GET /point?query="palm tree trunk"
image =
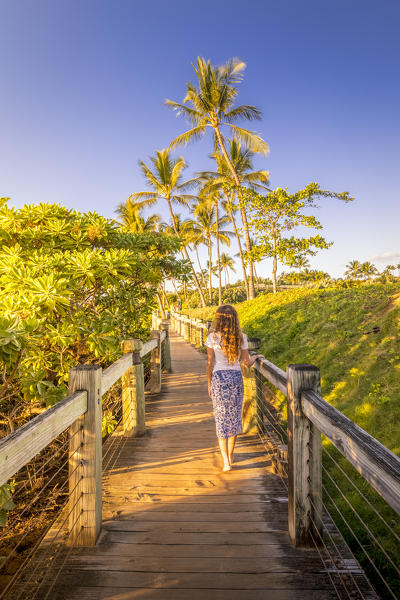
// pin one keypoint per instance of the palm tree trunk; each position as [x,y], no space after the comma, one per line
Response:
[174,286]
[218,254]
[160,306]
[210,270]
[200,269]
[275,263]
[251,290]
[184,250]
[231,215]
[257,280]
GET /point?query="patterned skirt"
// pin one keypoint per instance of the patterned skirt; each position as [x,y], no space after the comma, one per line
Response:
[227,398]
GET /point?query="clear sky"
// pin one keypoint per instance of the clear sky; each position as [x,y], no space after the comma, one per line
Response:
[83,84]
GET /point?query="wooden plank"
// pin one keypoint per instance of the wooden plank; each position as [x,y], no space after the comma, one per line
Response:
[376,463]
[196,538]
[175,515]
[278,550]
[18,448]
[213,581]
[128,525]
[272,373]
[115,371]
[184,564]
[109,593]
[148,347]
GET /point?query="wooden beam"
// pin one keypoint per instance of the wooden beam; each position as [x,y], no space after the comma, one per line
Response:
[85,459]
[115,371]
[273,374]
[155,383]
[18,448]
[304,460]
[148,347]
[166,346]
[376,463]
[133,399]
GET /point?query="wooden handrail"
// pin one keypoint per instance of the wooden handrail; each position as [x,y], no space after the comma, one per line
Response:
[19,447]
[376,463]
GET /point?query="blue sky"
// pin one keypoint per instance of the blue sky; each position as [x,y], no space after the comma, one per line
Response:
[83,84]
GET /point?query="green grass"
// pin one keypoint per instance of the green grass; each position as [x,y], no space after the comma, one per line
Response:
[352,335]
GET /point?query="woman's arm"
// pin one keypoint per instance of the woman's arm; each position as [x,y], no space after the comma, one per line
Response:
[248,360]
[210,366]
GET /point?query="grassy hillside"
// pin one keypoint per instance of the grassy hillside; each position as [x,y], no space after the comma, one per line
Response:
[352,335]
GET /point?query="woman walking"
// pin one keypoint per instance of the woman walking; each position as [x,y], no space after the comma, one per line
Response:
[226,345]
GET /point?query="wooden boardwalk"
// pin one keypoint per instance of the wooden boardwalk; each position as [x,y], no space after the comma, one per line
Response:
[175,527]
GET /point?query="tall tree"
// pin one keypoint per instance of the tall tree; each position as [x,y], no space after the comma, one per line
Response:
[166,181]
[353,269]
[212,105]
[131,217]
[206,218]
[242,161]
[368,270]
[227,262]
[279,212]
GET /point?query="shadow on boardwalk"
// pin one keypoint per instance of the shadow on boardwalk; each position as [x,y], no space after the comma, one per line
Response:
[176,527]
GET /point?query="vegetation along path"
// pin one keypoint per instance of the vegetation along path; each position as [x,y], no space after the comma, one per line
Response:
[175,526]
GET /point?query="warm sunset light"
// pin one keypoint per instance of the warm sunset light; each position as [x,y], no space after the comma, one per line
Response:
[199,300]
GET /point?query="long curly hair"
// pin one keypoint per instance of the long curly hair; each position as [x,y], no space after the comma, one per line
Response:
[226,323]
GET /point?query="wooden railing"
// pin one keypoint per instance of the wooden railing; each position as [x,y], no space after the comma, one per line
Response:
[81,412]
[309,416]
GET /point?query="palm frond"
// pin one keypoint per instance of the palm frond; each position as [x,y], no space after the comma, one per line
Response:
[176,172]
[149,175]
[189,136]
[245,111]
[182,110]
[149,198]
[253,141]
[256,177]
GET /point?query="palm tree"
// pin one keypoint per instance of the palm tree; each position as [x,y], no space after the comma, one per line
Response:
[165,179]
[227,262]
[213,106]
[206,218]
[353,269]
[300,263]
[191,234]
[241,159]
[368,270]
[131,217]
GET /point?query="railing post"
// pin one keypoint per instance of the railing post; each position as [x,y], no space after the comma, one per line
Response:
[197,336]
[304,459]
[133,403]
[250,416]
[180,325]
[186,329]
[85,459]
[155,360]
[164,326]
[193,330]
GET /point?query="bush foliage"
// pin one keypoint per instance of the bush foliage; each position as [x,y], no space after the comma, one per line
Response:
[72,285]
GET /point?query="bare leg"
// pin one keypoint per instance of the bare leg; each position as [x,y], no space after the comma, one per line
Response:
[231,447]
[223,446]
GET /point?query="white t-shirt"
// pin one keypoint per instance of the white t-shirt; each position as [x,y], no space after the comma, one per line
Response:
[221,362]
